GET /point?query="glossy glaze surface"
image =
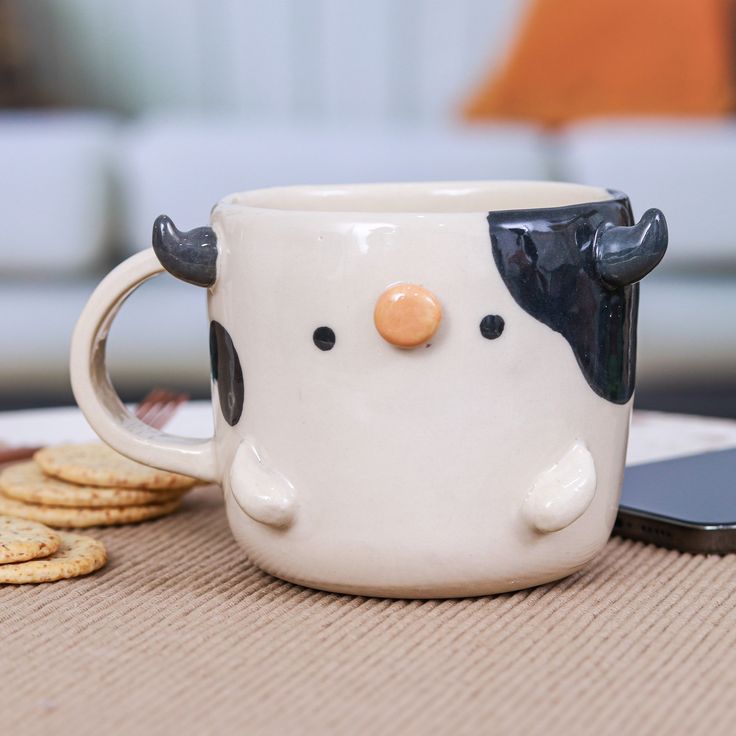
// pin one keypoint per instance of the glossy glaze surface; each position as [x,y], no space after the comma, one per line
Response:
[227,373]
[190,256]
[407,315]
[574,269]
[484,464]
[624,255]
[324,338]
[491,326]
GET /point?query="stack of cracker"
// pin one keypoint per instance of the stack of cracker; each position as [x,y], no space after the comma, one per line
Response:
[32,553]
[76,486]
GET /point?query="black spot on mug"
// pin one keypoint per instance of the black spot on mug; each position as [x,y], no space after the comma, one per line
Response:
[227,373]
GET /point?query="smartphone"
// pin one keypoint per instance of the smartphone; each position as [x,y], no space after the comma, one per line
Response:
[687,503]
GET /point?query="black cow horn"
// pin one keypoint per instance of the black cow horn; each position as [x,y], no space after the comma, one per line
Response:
[190,256]
[625,255]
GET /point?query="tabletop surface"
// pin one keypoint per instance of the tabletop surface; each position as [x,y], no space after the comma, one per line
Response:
[180,633]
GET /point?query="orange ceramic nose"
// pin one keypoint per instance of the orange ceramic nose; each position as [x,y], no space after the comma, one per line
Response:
[407,315]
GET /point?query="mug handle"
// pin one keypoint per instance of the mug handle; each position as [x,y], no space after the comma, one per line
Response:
[99,401]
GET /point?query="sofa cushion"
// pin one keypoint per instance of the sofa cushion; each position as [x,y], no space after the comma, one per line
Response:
[54,192]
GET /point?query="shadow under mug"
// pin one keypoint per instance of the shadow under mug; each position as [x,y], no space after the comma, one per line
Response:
[419,390]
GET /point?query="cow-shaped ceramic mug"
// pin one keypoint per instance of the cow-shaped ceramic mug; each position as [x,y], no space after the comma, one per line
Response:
[419,390]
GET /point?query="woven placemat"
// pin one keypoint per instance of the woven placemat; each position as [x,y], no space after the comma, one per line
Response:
[181,634]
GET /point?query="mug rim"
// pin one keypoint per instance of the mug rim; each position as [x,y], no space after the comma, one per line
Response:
[446,198]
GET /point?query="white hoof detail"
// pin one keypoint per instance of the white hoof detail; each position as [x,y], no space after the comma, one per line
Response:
[562,493]
[262,492]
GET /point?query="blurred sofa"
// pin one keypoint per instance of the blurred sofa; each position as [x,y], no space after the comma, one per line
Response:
[81,192]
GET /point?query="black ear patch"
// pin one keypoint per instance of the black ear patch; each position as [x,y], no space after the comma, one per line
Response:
[227,373]
[545,258]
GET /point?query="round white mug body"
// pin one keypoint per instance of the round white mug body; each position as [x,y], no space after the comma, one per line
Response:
[485,456]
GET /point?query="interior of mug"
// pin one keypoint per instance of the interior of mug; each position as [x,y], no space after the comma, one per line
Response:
[423,197]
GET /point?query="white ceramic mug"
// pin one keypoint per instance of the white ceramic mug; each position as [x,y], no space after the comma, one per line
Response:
[419,389]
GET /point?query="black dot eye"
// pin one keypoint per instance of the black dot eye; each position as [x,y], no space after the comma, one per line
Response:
[324,338]
[491,326]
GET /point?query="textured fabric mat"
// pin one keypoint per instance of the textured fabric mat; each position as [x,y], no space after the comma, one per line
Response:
[181,634]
